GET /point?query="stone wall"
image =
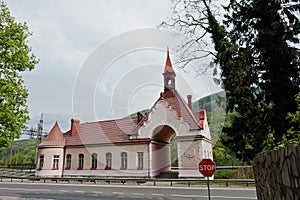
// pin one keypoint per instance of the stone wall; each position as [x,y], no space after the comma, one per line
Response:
[277,174]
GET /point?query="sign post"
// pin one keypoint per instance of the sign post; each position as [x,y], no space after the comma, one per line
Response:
[207,168]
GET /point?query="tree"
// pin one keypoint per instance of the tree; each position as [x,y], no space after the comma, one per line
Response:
[15,57]
[271,29]
[256,52]
[293,134]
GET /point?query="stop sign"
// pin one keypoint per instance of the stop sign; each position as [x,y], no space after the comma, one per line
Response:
[207,167]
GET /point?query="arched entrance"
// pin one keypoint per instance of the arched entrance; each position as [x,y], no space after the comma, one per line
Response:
[161,149]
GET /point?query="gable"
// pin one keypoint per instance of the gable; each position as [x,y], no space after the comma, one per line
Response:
[162,115]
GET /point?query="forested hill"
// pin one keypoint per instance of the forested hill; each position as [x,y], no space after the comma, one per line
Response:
[23,152]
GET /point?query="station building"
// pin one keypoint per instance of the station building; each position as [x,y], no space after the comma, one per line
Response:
[131,147]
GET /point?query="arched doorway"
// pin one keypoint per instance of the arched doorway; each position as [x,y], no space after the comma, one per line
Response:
[161,147]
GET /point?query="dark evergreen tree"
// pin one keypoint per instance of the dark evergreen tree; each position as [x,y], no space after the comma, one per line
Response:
[256,51]
[271,30]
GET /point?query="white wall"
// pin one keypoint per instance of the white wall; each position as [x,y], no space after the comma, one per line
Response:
[115,150]
[47,169]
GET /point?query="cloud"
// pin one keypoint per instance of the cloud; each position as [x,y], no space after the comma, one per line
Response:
[66,32]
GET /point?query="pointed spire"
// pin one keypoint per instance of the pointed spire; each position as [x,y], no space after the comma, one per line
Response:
[54,138]
[169,74]
[168,66]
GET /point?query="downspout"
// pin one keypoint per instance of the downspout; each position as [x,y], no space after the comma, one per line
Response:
[149,158]
[63,166]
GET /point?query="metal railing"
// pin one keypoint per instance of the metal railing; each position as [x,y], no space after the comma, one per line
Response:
[138,181]
[18,166]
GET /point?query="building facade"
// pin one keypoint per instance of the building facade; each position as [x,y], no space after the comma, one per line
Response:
[131,147]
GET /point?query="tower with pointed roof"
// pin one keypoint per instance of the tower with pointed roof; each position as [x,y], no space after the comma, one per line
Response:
[169,74]
[51,150]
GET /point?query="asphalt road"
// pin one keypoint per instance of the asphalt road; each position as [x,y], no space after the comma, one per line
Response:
[34,191]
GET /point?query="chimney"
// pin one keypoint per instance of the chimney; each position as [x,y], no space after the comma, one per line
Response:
[189,97]
[139,117]
[202,117]
[74,126]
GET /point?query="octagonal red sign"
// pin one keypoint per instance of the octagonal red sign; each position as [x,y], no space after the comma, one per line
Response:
[207,167]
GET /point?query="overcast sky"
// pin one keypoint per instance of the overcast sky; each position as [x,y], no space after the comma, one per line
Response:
[70,36]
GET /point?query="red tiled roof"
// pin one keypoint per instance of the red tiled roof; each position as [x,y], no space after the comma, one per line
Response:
[119,130]
[103,132]
[54,138]
[177,103]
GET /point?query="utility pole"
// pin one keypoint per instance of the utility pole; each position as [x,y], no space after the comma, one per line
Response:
[38,133]
[38,138]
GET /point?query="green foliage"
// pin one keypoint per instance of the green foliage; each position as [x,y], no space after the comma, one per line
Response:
[23,152]
[241,173]
[174,151]
[223,174]
[15,57]
[294,131]
[293,134]
[269,143]
[223,155]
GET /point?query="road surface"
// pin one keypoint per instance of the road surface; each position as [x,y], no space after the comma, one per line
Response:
[35,191]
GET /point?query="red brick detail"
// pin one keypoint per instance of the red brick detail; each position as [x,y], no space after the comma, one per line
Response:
[202,118]
[189,98]
[74,126]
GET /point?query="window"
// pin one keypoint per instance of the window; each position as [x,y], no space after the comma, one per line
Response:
[169,82]
[41,162]
[55,162]
[140,157]
[94,161]
[80,161]
[68,163]
[123,160]
[108,161]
